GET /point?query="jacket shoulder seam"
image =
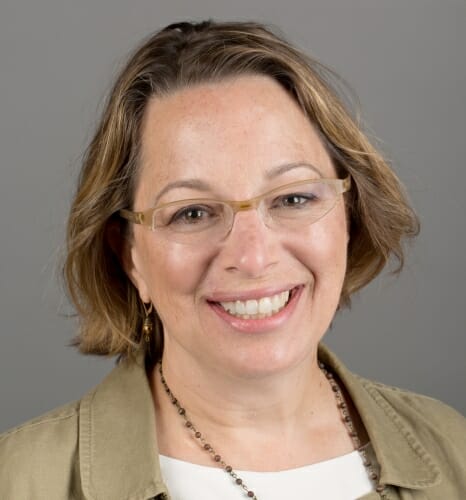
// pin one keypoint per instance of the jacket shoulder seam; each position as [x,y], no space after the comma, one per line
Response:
[38,422]
[391,388]
[413,395]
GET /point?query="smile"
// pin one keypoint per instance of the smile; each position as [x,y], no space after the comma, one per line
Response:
[257,308]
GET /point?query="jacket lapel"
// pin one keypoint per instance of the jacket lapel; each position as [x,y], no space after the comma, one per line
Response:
[118,449]
[403,460]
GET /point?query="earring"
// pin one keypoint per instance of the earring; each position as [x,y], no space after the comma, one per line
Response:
[148,325]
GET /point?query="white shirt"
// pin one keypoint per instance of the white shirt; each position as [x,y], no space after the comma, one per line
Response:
[340,478]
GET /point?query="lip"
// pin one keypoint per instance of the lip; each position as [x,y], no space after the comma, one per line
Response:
[249,295]
[258,325]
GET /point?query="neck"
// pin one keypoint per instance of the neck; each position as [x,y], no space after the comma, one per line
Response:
[230,399]
[281,413]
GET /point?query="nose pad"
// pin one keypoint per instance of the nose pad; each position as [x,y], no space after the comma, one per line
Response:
[250,246]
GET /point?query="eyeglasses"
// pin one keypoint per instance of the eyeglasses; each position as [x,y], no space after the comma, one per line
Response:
[289,207]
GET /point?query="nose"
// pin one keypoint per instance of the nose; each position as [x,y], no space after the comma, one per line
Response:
[250,248]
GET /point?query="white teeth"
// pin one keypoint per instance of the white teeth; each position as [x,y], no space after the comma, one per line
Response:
[265,305]
[276,302]
[239,307]
[256,309]
[251,307]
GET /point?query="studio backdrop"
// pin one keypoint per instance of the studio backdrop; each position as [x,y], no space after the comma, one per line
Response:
[404,59]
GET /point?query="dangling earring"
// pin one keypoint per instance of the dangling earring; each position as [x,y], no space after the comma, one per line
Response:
[148,325]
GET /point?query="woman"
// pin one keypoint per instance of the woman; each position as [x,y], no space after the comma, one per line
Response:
[227,207]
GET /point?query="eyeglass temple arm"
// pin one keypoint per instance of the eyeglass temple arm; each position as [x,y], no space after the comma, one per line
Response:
[136,217]
[346,184]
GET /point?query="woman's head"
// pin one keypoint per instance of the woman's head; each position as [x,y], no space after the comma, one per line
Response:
[255,295]
[183,57]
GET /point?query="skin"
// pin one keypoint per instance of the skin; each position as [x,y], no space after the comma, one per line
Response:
[260,390]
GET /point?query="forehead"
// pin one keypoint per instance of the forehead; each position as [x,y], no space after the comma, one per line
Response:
[228,131]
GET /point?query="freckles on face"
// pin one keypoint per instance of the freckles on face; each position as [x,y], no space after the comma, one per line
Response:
[224,141]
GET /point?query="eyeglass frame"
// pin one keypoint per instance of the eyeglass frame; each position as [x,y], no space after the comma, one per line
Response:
[145,217]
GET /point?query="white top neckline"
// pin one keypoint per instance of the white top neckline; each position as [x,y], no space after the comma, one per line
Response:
[339,478]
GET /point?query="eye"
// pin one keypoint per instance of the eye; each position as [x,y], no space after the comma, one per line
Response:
[192,214]
[186,216]
[295,200]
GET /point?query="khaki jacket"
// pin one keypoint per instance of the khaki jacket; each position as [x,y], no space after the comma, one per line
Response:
[103,447]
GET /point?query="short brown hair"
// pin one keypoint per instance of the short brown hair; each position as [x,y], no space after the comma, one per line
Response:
[178,56]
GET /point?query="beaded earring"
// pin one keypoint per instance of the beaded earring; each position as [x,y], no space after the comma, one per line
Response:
[148,324]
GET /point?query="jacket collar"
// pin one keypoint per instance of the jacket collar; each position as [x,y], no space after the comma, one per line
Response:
[117,437]
[403,460]
[118,442]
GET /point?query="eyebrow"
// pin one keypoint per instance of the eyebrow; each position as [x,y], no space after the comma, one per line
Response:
[281,169]
[184,183]
[201,185]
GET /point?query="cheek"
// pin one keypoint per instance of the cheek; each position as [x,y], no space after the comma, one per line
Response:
[175,275]
[323,250]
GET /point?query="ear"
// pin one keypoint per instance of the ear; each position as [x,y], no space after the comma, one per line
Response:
[129,257]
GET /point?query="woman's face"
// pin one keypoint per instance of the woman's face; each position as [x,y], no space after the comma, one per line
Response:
[235,140]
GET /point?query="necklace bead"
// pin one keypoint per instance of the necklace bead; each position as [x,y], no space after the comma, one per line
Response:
[345,417]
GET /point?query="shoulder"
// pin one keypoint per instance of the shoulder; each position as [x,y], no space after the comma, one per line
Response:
[41,451]
[381,403]
[409,405]
[55,429]
[439,427]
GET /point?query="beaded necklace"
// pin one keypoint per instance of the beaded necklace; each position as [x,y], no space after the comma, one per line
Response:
[218,459]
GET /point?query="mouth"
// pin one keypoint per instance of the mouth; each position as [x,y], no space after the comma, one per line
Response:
[260,308]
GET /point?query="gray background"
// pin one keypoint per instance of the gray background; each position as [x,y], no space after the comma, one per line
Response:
[406,61]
